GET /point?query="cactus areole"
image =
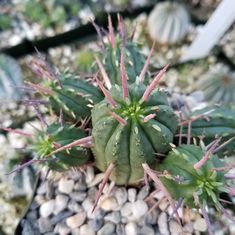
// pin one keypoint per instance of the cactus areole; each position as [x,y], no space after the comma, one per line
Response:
[131,131]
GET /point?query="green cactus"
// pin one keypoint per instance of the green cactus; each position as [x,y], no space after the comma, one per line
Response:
[129,131]
[74,96]
[55,137]
[203,183]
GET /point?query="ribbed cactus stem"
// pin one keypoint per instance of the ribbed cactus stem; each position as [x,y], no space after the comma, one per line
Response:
[103,183]
[111,32]
[146,65]
[104,74]
[149,117]
[84,142]
[118,118]
[106,93]
[207,155]
[154,83]
[123,75]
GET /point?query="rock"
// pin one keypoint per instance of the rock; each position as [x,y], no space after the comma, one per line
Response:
[65,186]
[74,175]
[80,185]
[143,193]
[139,208]
[47,208]
[62,229]
[200,225]
[175,228]
[96,224]
[98,178]
[29,228]
[86,230]
[60,217]
[107,229]
[44,225]
[162,224]
[109,204]
[131,194]
[121,195]
[131,228]
[126,210]
[74,206]
[34,205]
[151,218]
[75,231]
[146,230]
[40,199]
[163,204]
[77,220]
[49,190]
[89,174]
[42,189]
[32,215]
[87,204]
[92,192]
[114,217]
[78,196]
[120,229]
[61,202]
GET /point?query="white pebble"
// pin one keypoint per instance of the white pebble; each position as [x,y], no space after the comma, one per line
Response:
[131,194]
[47,208]
[109,204]
[77,220]
[131,229]
[66,186]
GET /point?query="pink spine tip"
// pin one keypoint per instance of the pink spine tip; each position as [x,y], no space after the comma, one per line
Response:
[121,28]
[111,32]
[147,62]
[104,74]
[19,132]
[149,117]
[106,93]
[154,83]
[123,75]
[121,120]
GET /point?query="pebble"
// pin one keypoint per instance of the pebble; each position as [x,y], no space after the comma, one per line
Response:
[200,225]
[131,229]
[151,218]
[62,229]
[29,228]
[89,174]
[143,193]
[78,196]
[60,217]
[126,210]
[96,224]
[42,189]
[47,208]
[92,192]
[65,186]
[162,224]
[163,205]
[44,225]
[61,202]
[98,178]
[109,204]
[120,229]
[131,194]
[86,230]
[74,206]
[146,230]
[175,228]
[139,208]
[76,220]
[107,229]
[40,199]
[114,217]
[80,185]
[121,195]
[32,215]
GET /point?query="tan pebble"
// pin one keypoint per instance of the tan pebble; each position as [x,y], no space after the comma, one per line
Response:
[76,220]
[109,204]
[200,225]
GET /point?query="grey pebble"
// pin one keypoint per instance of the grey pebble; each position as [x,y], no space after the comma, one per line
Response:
[92,192]
[96,224]
[66,186]
[44,225]
[74,175]
[121,195]
[78,196]
[131,194]
[151,218]
[120,229]
[162,224]
[107,229]
[29,228]
[146,230]
[49,190]
[80,185]
[32,215]
[114,217]
[74,206]
[42,189]
[143,193]
[62,229]
[60,217]
[126,209]
[61,202]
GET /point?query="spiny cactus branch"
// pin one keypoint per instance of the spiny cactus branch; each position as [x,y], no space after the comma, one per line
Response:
[39,88]
[146,65]
[103,183]
[104,74]
[206,157]
[224,144]
[19,132]
[121,29]
[84,142]
[123,75]
[154,83]
[189,132]
[118,118]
